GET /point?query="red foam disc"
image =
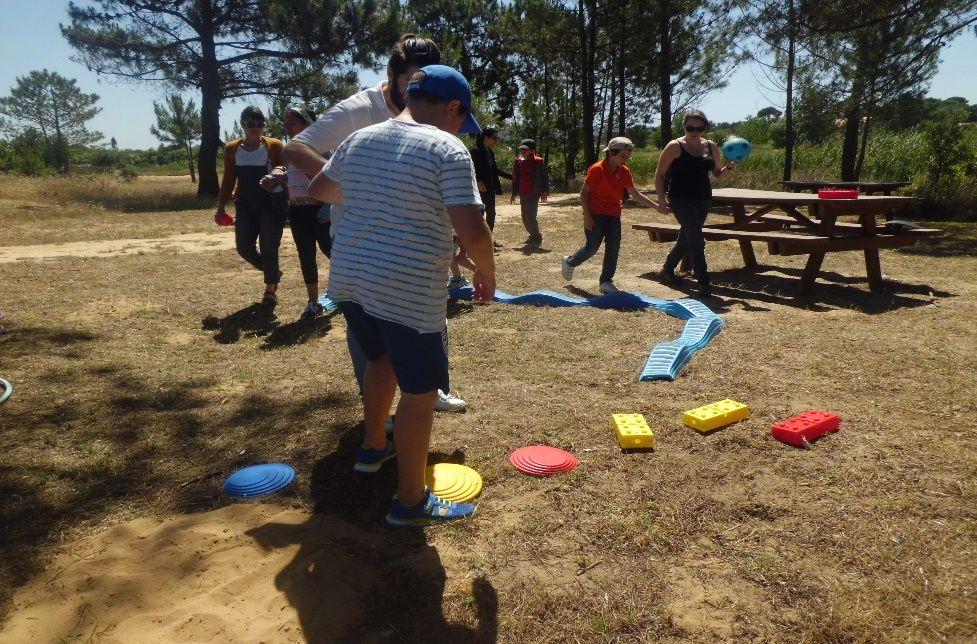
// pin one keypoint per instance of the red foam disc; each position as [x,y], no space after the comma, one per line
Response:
[542,460]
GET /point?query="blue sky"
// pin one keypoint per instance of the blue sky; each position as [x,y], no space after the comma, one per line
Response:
[30,39]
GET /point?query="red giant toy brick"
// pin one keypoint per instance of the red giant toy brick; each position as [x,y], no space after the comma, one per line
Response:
[806,428]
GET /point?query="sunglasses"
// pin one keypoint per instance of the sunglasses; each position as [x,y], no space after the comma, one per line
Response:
[622,150]
[254,124]
[693,128]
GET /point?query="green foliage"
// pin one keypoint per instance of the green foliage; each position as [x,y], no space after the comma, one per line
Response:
[755,129]
[178,124]
[950,161]
[177,121]
[52,105]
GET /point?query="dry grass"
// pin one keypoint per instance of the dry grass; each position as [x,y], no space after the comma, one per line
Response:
[139,376]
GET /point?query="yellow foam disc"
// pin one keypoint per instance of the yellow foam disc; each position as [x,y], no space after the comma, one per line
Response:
[453,482]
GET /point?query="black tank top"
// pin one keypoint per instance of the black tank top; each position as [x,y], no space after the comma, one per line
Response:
[688,177]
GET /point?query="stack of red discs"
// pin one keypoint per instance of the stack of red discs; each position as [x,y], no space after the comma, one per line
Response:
[542,460]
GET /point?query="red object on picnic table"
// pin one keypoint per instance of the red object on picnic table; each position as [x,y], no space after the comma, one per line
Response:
[225,219]
[806,428]
[837,193]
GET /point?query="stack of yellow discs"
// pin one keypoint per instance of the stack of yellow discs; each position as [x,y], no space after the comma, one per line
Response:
[453,482]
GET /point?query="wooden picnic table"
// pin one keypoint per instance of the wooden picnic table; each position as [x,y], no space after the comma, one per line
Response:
[865,187]
[815,233]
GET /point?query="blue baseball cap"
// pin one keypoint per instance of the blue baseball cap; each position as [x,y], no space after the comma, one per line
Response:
[448,83]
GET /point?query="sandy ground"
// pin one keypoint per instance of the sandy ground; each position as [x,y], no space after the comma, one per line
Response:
[224,575]
[187,243]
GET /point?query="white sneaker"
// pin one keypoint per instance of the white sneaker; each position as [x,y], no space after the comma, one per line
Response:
[447,402]
[566,270]
[608,287]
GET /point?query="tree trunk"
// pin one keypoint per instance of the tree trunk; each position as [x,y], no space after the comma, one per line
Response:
[193,176]
[569,162]
[849,145]
[620,94]
[588,40]
[210,106]
[864,143]
[665,71]
[789,107]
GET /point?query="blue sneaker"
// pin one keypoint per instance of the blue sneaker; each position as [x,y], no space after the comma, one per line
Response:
[433,509]
[370,460]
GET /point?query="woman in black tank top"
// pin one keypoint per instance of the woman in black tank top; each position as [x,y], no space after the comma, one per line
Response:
[684,188]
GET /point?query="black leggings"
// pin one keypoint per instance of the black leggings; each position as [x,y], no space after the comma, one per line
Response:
[488,198]
[258,234]
[307,231]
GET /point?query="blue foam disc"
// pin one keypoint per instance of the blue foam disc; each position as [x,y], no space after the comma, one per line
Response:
[258,480]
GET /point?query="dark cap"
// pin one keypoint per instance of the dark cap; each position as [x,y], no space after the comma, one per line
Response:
[527,144]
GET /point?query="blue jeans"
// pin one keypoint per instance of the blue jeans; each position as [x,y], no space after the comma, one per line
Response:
[691,215]
[606,229]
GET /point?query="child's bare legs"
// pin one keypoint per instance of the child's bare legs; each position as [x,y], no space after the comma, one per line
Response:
[379,387]
[412,438]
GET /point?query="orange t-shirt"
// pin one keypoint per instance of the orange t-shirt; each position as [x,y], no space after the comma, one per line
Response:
[606,188]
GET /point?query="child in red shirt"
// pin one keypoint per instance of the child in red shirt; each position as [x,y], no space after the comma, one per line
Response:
[601,201]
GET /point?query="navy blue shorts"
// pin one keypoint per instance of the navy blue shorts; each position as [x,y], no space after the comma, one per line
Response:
[420,360]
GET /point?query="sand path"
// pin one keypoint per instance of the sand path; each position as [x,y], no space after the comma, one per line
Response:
[185,243]
[235,574]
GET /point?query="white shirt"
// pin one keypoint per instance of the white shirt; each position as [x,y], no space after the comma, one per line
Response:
[393,244]
[345,117]
[360,110]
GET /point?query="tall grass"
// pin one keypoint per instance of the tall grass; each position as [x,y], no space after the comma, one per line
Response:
[109,191]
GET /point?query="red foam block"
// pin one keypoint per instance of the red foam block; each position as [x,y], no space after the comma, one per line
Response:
[806,427]
[837,194]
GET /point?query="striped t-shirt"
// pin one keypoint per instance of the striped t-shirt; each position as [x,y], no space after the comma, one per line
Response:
[392,247]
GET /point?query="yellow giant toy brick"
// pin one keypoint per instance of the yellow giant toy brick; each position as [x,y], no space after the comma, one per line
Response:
[632,431]
[718,414]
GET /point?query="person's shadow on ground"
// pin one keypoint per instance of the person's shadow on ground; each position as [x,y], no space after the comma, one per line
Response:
[353,578]
[258,320]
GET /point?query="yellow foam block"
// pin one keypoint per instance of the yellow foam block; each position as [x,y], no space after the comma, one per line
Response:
[632,431]
[717,414]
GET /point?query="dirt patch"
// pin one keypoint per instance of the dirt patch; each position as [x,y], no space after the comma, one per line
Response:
[186,243]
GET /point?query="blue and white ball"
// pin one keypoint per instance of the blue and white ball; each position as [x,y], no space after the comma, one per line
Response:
[736,149]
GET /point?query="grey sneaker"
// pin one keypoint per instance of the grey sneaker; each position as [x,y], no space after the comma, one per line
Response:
[447,402]
[608,287]
[566,270]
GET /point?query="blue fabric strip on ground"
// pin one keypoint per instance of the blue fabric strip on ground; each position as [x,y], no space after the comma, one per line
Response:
[667,358]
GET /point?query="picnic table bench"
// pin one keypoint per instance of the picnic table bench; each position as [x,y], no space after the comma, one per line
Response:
[794,233]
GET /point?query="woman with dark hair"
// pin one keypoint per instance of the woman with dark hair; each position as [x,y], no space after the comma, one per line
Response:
[260,211]
[308,227]
[684,189]
[487,172]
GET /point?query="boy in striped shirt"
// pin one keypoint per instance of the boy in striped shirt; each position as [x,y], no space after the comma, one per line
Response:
[404,185]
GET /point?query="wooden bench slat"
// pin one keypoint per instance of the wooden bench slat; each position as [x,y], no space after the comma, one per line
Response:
[727,233]
[847,225]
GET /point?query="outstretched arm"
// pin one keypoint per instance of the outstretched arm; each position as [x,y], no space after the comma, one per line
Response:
[640,198]
[474,236]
